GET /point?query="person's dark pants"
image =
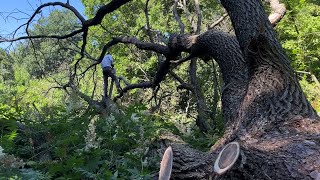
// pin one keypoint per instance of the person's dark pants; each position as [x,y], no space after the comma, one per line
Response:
[108,72]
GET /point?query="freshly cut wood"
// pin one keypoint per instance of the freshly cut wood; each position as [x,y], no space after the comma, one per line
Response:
[226,158]
[166,164]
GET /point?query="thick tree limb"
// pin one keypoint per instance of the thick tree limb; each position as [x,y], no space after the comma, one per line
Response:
[132,40]
[259,23]
[141,45]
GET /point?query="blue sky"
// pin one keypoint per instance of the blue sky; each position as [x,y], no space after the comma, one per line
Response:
[13,13]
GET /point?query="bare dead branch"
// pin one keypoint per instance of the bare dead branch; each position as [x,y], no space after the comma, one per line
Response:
[147,21]
[177,17]
[15,31]
[198,12]
[102,11]
[176,77]
[218,21]
[189,15]
[183,84]
[161,73]
[67,6]
[54,87]
[124,80]
[143,85]
[84,41]
[89,67]
[158,104]
[159,77]
[87,55]
[94,74]
[186,86]
[155,91]
[180,61]
[108,8]
[42,36]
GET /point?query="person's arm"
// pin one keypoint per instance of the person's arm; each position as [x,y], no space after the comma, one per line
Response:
[111,60]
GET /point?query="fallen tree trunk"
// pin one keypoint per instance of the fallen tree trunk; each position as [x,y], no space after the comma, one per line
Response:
[272,157]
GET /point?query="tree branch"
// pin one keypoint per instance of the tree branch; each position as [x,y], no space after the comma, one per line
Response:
[143,85]
[147,21]
[198,12]
[42,36]
[218,21]
[95,104]
[177,17]
[102,11]
[67,6]
[97,19]
[141,45]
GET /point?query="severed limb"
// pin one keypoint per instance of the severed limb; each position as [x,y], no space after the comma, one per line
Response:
[166,164]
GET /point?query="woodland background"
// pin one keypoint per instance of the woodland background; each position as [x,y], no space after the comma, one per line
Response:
[49,130]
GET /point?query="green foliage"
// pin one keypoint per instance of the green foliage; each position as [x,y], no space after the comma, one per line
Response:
[43,57]
[21,174]
[299,34]
[12,168]
[8,124]
[312,91]
[96,147]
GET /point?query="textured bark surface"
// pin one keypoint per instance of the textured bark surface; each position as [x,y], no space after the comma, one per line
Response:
[263,103]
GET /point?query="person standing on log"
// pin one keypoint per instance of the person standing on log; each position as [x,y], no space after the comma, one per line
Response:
[109,71]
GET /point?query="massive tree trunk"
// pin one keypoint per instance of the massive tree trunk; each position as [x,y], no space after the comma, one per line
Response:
[263,104]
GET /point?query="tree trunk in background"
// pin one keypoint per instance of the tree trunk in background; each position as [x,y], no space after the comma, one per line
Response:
[202,108]
[265,108]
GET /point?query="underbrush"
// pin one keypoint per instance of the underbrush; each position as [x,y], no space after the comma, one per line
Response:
[83,145]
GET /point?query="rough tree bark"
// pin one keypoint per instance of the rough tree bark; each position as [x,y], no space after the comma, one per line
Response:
[265,108]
